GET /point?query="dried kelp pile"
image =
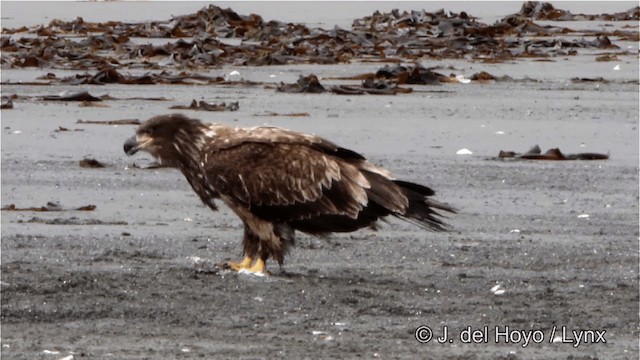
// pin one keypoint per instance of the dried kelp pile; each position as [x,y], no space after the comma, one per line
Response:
[385,81]
[107,74]
[7,103]
[535,153]
[214,36]
[545,11]
[417,74]
[50,206]
[371,85]
[206,106]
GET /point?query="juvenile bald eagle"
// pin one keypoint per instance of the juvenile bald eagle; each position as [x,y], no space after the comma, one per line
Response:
[279,181]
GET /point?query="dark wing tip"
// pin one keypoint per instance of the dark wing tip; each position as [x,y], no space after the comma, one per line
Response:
[348,154]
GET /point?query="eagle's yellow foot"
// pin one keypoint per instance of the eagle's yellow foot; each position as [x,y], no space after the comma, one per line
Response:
[237,266]
[259,268]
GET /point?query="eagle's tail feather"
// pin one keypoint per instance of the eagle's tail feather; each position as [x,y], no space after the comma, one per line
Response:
[405,200]
[422,209]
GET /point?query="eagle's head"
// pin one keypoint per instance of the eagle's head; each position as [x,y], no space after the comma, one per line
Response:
[168,138]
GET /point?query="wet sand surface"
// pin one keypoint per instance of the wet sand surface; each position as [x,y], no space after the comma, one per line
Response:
[537,246]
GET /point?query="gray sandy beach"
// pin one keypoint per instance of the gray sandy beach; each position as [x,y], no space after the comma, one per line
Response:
[547,249]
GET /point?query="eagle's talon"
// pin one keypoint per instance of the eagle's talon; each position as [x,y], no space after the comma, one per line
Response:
[238,266]
[259,268]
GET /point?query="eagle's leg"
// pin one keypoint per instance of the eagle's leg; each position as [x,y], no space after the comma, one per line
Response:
[251,247]
[244,264]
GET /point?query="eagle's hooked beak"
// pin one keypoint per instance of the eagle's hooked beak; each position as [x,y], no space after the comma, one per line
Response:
[131,146]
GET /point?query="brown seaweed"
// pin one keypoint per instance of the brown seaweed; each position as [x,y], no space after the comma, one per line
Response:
[305,84]
[75,96]
[390,37]
[108,75]
[111,122]
[71,221]
[63,129]
[554,154]
[271,113]
[50,206]
[311,84]
[8,104]
[91,163]
[545,11]
[371,86]
[205,106]
[416,74]
[92,104]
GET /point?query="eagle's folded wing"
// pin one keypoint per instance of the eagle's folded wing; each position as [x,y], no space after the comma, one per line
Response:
[286,181]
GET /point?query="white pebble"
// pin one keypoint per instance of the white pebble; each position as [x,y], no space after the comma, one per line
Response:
[461,79]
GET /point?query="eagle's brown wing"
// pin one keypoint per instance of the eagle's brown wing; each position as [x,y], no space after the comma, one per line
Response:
[309,182]
[285,182]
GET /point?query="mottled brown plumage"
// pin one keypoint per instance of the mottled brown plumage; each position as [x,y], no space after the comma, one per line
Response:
[279,181]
